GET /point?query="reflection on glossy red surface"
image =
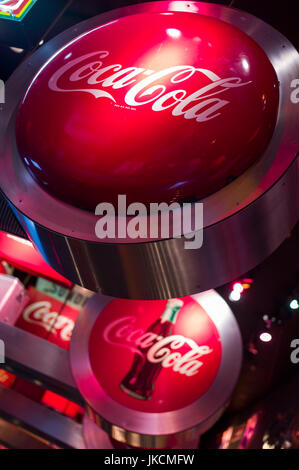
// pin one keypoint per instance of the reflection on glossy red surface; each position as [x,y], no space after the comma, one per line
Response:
[160,107]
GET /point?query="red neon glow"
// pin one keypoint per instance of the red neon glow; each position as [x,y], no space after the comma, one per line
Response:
[6,378]
[61,404]
[21,254]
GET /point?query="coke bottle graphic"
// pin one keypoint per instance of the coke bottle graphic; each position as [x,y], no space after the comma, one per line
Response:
[140,380]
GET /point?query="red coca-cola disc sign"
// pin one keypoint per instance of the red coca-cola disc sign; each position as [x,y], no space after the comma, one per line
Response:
[155,356]
[156,368]
[157,106]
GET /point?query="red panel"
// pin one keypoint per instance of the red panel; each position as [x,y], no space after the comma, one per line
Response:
[48,318]
[40,314]
[6,378]
[21,254]
[61,404]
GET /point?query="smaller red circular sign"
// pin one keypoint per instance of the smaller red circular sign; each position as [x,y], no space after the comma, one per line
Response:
[155,356]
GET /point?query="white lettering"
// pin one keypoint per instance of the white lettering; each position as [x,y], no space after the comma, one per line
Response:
[148,90]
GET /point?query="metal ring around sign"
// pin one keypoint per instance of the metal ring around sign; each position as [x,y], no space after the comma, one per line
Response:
[243,222]
[157,429]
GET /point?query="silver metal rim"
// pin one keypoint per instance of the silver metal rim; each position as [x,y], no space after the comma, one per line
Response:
[125,423]
[243,223]
[32,201]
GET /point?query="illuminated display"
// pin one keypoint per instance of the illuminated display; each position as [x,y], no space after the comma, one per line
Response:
[152,118]
[156,347]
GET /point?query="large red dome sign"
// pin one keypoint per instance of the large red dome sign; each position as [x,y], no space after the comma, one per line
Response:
[158,102]
[157,106]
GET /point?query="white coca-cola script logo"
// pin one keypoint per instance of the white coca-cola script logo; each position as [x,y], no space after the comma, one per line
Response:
[95,77]
[39,313]
[121,333]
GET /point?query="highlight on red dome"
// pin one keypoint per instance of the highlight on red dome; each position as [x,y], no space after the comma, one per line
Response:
[149,225]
